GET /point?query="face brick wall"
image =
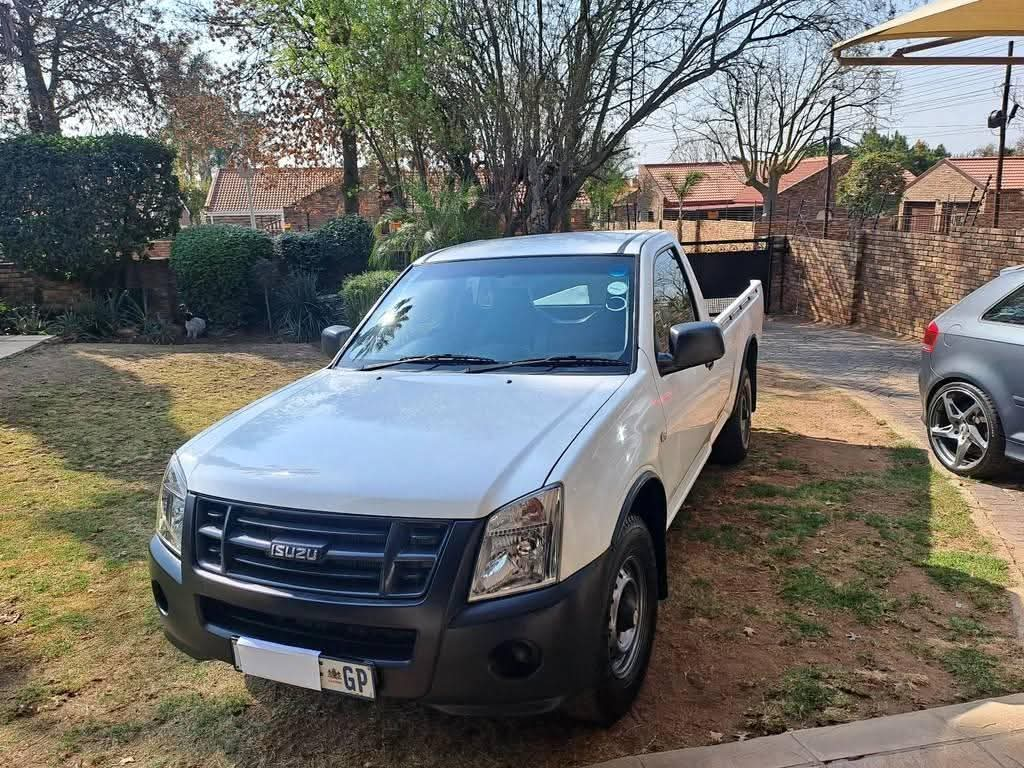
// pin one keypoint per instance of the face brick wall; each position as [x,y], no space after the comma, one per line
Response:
[152,276]
[892,281]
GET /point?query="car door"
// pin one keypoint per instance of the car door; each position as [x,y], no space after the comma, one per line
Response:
[688,397]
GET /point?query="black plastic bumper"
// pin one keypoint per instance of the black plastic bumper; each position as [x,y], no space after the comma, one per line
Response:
[459,660]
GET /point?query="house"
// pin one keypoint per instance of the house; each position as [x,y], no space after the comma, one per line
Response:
[282,198]
[722,193]
[960,188]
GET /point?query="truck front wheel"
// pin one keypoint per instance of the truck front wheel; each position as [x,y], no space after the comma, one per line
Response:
[629,621]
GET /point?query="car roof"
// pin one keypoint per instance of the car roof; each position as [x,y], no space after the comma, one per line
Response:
[628,242]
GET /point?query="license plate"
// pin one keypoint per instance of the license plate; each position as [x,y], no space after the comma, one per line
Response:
[303,667]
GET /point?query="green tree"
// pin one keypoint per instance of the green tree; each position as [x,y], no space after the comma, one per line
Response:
[432,220]
[605,187]
[73,208]
[873,184]
[916,158]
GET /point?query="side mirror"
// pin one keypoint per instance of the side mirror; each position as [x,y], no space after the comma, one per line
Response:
[332,337]
[693,344]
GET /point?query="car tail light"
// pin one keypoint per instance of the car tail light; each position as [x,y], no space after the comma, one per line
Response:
[931,335]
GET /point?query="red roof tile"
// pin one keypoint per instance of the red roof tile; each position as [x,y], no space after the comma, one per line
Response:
[980,168]
[273,188]
[722,184]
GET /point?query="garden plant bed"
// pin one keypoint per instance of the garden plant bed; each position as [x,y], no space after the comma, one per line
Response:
[832,576]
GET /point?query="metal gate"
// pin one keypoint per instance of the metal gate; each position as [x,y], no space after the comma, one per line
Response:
[724,268]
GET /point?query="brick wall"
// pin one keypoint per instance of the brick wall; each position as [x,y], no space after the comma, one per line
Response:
[807,197]
[892,281]
[152,276]
[19,287]
[819,279]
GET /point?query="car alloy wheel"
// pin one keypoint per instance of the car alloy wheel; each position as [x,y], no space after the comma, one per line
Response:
[746,416]
[958,429]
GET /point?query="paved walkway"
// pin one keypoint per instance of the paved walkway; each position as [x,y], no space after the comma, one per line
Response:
[981,734]
[883,372]
[13,345]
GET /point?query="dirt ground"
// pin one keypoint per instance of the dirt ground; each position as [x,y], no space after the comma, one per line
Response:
[832,576]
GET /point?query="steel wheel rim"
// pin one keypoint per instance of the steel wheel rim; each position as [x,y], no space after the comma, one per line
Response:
[746,416]
[958,430]
[627,625]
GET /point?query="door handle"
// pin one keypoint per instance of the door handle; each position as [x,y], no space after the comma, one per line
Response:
[710,365]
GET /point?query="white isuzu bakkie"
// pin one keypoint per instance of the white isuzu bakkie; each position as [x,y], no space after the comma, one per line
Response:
[469,505]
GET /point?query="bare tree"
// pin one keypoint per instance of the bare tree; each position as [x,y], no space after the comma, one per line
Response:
[773,103]
[85,59]
[554,88]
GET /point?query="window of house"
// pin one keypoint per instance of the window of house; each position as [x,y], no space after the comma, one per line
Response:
[673,300]
[1009,310]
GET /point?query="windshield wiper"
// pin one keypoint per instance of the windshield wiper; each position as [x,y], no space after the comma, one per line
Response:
[556,361]
[444,358]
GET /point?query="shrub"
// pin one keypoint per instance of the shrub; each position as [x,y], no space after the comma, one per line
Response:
[74,207]
[211,266]
[301,312]
[360,293]
[301,251]
[346,243]
[22,321]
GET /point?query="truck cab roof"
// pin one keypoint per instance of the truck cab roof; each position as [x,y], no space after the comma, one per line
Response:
[628,242]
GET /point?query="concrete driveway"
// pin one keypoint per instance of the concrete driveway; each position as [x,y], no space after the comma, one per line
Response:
[882,373]
[13,345]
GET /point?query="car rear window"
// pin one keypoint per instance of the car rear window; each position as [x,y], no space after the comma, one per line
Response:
[1008,310]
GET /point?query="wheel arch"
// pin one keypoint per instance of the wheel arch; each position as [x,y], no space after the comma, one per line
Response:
[647,500]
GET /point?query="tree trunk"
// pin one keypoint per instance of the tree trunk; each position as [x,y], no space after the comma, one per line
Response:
[350,169]
[538,220]
[770,193]
[42,117]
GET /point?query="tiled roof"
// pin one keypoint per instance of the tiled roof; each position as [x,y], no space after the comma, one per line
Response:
[273,188]
[722,185]
[980,168]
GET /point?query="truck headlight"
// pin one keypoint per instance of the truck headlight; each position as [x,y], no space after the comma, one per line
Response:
[521,546]
[170,506]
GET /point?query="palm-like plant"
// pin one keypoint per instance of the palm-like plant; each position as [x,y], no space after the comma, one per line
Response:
[686,186]
[450,216]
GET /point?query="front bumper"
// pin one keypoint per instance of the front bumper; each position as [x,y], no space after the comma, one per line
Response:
[452,654]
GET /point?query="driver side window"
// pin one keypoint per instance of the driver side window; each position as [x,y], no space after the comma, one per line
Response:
[673,301]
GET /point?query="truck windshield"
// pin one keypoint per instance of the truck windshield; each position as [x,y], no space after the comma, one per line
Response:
[501,310]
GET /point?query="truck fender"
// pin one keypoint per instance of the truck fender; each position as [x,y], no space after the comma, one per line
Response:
[646,499]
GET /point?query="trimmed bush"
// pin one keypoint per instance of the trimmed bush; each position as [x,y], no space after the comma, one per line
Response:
[301,251]
[74,207]
[360,292]
[211,267]
[346,243]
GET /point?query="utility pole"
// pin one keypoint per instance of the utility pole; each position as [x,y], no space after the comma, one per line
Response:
[828,170]
[1002,138]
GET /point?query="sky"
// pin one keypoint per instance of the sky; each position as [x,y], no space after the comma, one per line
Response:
[946,105]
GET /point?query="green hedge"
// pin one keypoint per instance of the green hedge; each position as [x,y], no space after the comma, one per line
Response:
[211,266]
[73,207]
[360,293]
[347,242]
[339,248]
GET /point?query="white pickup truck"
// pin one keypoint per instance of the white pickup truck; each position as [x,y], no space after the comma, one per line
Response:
[469,505]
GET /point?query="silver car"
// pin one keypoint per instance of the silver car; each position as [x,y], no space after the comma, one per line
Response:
[972,379]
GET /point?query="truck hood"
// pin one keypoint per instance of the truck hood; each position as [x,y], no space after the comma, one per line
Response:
[396,443]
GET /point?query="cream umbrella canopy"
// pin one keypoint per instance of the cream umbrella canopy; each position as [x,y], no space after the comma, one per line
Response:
[940,23]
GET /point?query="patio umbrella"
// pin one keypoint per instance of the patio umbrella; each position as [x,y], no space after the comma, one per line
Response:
[940,23]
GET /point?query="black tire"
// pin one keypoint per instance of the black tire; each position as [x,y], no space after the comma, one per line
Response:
[632,586]
[733,441]
[981,421]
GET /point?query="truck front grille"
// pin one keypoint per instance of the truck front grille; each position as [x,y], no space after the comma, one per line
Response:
[347,641]
[361,556]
